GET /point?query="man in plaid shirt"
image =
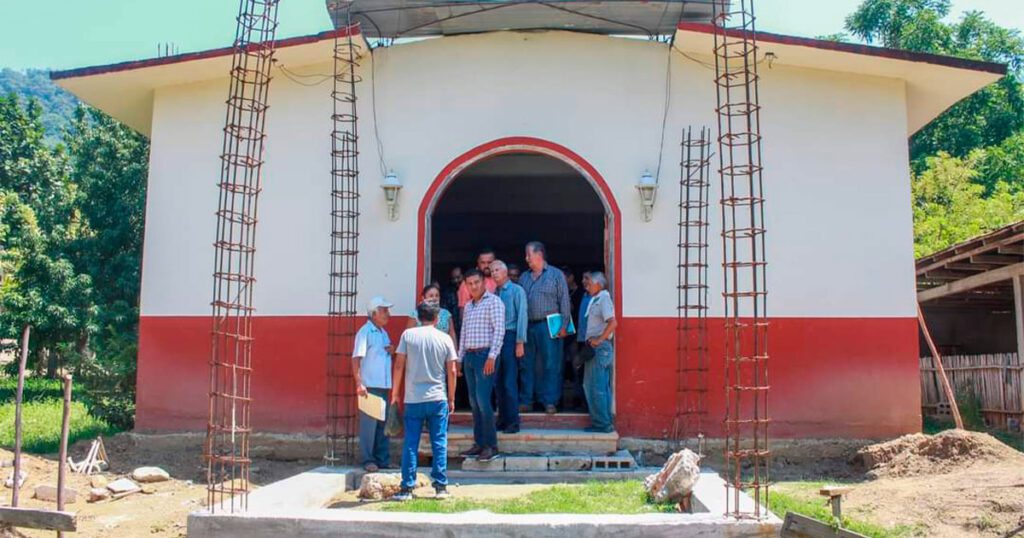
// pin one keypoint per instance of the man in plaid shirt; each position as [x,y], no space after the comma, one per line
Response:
[483,330]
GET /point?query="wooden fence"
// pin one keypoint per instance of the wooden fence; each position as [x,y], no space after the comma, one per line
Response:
[996,381]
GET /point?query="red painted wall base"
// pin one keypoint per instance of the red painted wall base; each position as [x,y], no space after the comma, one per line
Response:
[830,377]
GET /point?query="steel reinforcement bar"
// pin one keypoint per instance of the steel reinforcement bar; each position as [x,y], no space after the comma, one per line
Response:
[743,256]
[226,449]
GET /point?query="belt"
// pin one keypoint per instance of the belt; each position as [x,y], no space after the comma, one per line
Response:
[542,320]
[478,350]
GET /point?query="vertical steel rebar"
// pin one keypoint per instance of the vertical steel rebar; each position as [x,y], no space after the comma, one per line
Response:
[226,449]
[692,289]
[344,253]
[743,256]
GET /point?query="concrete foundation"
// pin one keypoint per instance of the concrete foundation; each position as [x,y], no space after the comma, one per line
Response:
[296,507]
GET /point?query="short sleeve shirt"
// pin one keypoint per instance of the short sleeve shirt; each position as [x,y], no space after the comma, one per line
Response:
[599,312]
[375,366]
[427,351]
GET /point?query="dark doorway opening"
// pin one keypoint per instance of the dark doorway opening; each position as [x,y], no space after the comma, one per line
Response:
[505,201]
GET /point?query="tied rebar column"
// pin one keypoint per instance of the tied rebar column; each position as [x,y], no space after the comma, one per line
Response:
[692,289]
[344,254]
[743,256]
[226,449]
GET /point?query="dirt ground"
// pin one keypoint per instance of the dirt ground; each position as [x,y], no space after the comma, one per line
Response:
[952,484]
[161,512]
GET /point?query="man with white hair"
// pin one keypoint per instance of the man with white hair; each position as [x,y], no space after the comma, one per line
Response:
[371,370]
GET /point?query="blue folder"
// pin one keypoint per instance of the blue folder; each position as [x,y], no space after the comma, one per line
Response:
[555,325]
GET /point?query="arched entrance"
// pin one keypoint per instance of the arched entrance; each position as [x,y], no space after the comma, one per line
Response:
[513,190]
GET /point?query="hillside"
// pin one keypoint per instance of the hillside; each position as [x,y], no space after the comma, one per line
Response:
[58,105]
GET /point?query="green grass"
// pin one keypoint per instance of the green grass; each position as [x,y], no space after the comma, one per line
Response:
[613,497]
[803,498]
[41,416]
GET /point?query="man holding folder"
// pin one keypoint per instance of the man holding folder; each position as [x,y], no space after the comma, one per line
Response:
[371,368]
[546,293]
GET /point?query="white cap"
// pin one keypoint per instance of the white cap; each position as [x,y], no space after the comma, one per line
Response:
[375,303]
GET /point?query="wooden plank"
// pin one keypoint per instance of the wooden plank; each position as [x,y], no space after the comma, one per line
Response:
[34,518]
[800,526]
[950,397]
[986,247]
[972,282]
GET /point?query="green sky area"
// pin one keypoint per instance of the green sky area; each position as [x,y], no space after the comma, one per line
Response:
[63,34]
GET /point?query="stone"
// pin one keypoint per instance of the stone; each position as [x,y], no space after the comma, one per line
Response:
[123,485]
[98,494]
[146,475]
[569,463]
[526,463]
[6,463]
[22,477]
[98,481]
[46,492]
[380,486]
[473,464]
[675,481]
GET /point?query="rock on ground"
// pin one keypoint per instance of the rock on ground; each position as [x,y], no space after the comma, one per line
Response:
[674,482]
[47,492]
[150,474]
[379,486]
[98,481]
[22,476]
[98,494]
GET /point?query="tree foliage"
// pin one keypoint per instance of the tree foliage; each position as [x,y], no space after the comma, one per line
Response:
[969,162]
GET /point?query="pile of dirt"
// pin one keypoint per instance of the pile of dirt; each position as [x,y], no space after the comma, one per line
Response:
[919,454]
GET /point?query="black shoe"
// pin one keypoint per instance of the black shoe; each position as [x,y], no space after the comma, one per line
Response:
[404,494]
[473,451]
[487,454]
[512,429]
[595,429]
[441,492]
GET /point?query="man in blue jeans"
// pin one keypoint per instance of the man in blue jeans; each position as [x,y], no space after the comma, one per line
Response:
[546,293]
[371,370]
[483,332]
[513,348]
[424,364]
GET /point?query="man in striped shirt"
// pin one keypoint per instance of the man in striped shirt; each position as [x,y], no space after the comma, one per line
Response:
[483,330]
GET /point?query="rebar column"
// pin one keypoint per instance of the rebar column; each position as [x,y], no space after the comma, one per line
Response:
[344,253]
[743,256]
[692,288]
[226,449]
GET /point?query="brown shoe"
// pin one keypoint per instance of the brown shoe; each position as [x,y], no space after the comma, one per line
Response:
[371,467]
[473,451]
[524,409]
[487,454]
[550,409]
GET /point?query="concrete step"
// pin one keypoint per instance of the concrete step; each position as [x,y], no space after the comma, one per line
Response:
[533,441]
[558,421]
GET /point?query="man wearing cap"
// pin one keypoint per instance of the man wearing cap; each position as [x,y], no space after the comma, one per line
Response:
[371,368]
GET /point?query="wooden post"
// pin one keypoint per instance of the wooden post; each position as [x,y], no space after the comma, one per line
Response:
[942,371]
[1018,313]
[62,459]
[17,414]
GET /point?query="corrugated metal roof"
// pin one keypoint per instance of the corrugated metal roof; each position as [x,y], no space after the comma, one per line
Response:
[419,18]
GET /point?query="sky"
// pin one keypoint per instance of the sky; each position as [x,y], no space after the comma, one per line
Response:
[63,34]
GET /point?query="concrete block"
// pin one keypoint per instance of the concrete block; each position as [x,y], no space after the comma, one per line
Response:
[569,463]
[526,463]
[472,464]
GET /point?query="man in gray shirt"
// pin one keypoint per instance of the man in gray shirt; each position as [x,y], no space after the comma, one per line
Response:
[425,364]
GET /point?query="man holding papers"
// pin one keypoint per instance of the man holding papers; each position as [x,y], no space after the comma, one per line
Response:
[424,366]
[546,293]
[371,369]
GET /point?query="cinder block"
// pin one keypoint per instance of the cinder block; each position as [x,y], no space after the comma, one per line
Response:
[569,463]
[473,464]
[526,463]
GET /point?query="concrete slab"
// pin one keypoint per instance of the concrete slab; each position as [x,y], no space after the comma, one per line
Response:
[569,463]
[472,464]
[313,488]
[526,463]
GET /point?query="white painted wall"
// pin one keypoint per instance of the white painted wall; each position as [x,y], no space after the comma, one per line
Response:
[837,181]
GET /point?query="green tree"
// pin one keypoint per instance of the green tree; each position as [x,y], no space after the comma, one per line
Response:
[950,205]
[986,118]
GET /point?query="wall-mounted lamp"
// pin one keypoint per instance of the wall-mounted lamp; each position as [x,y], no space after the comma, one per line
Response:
[391,188]
[648,189]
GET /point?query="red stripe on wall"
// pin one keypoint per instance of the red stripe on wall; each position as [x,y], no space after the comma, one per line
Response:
[830,377]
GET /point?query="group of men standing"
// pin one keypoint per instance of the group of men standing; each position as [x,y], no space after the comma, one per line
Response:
[506,351]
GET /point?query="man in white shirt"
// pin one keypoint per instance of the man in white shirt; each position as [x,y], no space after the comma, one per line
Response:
[371,368]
